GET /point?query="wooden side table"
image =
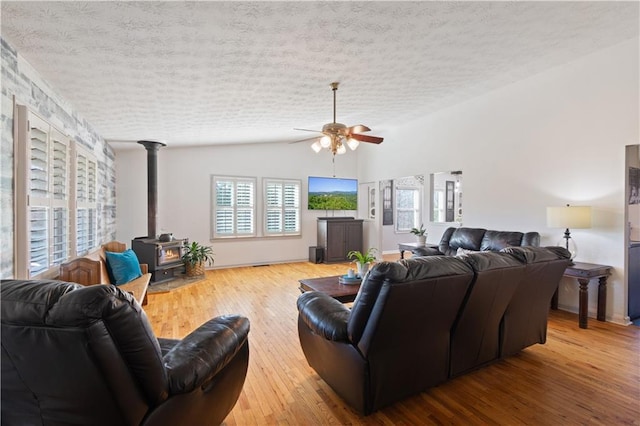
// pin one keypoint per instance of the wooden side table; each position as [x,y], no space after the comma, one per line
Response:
[585,272]
[412,246]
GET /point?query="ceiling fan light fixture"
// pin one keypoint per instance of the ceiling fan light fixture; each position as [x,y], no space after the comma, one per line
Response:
[336,136]
[353,143]
[325,142]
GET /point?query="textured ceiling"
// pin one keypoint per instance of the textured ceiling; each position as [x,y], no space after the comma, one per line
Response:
[195,73]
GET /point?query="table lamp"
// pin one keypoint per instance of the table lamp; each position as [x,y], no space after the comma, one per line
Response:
[575,217]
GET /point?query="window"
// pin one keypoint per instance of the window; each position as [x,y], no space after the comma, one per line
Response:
[407,209]
[55,195]
[43,189]
[281,207]
[233,207]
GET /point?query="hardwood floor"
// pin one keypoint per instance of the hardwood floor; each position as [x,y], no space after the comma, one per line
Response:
[578,377]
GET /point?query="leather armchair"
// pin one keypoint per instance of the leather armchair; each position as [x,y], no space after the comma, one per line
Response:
[87,355]
[478,239]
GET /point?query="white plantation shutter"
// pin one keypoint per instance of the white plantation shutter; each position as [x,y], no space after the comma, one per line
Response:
[43,199]
[281,207]
[233,207]
[245,191]
[273,208]
[86,224]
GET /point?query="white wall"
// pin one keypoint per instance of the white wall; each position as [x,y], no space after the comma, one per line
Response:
[184,194]
[558,137]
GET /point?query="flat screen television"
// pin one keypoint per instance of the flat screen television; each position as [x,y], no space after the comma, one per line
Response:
[326,193]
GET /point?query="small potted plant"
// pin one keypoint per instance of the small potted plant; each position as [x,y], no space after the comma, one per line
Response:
[421,233]
[195,257]
[362,261]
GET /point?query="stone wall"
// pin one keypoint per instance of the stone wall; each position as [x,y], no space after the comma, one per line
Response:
[20,80]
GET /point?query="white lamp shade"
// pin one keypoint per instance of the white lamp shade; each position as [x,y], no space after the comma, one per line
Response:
[570,217]
[353,143]
[316,146]
[325,142]
[341,149]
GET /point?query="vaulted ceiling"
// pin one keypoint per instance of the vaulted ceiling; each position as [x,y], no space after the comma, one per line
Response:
[201,73]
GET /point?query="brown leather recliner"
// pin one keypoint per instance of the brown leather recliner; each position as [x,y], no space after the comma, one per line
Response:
[525,319]
[87,355]
[475,339]
[394,342]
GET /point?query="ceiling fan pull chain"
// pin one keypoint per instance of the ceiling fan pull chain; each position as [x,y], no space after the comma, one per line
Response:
[333,160]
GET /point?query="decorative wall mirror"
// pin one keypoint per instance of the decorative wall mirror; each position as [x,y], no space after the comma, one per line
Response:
[446,197]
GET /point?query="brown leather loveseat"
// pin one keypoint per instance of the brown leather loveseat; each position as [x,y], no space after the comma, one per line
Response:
[420,321]
[88,356]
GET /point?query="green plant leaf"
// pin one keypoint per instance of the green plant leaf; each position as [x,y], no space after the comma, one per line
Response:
[196,253]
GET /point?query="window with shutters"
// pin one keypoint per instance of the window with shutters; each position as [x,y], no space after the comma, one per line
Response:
[281,207]
[234,208]
[43,195]
[55,195]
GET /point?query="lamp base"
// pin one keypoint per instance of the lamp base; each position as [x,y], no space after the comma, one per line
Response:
[568,243]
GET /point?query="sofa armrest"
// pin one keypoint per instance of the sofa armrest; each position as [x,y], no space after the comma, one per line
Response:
[324,315]
[426,251]
[138,287]
[197,358]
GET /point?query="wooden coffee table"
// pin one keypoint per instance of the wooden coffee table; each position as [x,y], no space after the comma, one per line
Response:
[343,292]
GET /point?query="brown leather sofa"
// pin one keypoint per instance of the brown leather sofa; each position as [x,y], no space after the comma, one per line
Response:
[420,321]
[478,239]
[87,355]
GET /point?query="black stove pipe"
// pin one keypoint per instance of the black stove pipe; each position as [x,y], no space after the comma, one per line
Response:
[152,148]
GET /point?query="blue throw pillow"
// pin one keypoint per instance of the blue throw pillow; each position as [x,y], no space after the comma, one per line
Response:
[124,266]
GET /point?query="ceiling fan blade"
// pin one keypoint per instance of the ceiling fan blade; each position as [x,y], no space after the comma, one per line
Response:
[306,139]
[308,130]
[358,128]
[366,138]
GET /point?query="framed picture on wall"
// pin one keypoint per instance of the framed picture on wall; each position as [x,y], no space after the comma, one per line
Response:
[386,188]
[449,201]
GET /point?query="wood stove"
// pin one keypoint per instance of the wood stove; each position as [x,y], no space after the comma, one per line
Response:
[164,258]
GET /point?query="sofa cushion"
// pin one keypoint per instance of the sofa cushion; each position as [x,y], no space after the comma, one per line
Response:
[467,238]
[497,240]
[422,268]
[124,266]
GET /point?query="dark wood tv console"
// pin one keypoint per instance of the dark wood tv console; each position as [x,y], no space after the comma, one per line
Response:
[337,236]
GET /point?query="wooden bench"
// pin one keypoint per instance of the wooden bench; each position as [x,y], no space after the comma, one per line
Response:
[92,269]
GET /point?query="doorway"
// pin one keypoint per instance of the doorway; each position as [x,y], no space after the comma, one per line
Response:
[632,237]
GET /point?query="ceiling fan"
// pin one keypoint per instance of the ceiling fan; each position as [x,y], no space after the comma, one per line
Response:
[337,135]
